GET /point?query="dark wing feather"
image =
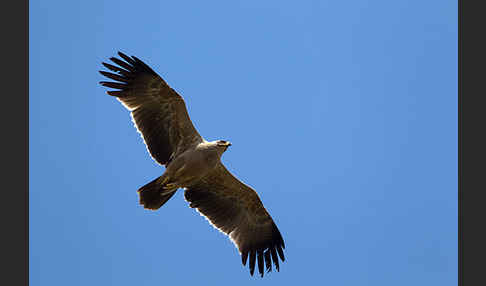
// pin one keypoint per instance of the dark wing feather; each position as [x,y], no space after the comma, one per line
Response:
[159,113]
[236,210]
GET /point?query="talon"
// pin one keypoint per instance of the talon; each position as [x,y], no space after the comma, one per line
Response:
[169,186]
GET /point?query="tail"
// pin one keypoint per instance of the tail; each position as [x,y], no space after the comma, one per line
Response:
[155,194]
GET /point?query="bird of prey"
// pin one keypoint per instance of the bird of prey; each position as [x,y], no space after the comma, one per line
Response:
[193,164]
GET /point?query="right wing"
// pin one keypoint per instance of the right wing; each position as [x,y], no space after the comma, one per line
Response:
[159,113]
[236,210]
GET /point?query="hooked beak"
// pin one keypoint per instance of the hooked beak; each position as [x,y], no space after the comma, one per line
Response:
[228,144]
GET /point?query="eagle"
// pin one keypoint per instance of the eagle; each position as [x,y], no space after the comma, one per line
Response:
[192,164]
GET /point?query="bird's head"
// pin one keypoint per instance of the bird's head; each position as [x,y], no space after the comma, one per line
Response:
[223,144]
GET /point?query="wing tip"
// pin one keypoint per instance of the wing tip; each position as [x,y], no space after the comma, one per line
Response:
[126,70]
[129,65]
[263,256]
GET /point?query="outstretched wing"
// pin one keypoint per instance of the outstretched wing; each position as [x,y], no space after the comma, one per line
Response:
[159,113]
[236,210]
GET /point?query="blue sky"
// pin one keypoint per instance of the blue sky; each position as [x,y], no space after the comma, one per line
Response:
[342,115]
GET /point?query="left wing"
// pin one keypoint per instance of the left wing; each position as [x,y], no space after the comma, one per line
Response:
[236,210]
[158,111]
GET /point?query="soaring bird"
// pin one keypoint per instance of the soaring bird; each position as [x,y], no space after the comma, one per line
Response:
[193,164]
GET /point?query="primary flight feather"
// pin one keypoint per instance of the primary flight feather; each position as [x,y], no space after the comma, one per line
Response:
[193,164]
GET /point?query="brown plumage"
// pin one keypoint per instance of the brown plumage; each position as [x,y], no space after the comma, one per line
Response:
[192,163]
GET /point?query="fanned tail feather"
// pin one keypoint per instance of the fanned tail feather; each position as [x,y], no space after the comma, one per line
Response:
[155,194]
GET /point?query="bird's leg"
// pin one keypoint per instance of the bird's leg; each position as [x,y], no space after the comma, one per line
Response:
[170,186]
[167,185]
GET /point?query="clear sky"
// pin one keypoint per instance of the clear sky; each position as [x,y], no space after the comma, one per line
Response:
[342,115]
